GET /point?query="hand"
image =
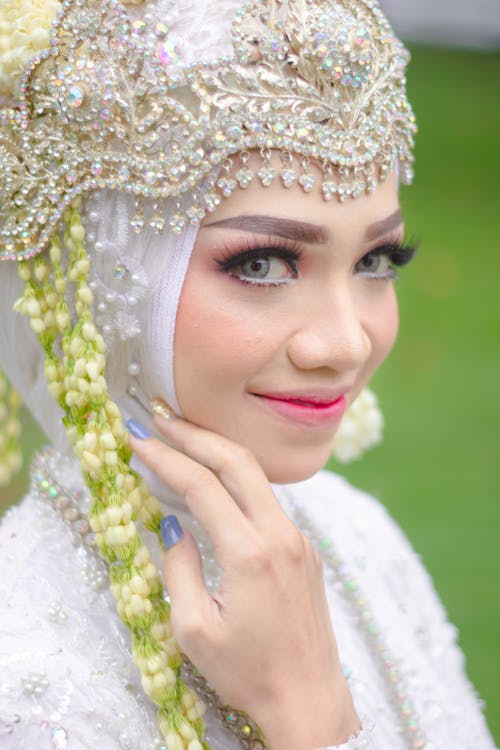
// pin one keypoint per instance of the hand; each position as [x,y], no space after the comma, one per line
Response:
[265,640]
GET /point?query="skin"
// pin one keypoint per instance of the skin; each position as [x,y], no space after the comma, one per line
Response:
[330,329]
[326,330]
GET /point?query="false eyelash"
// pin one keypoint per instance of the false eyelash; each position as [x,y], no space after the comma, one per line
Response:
[399,253]
[276,247]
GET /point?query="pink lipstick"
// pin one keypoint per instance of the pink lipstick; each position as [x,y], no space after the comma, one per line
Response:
[308,410]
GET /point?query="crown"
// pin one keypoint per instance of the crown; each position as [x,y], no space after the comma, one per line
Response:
[110,104]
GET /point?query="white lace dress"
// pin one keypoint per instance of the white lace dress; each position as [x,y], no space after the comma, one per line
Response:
[67,680]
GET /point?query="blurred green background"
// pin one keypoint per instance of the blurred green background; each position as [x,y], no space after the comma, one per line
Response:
[438,470]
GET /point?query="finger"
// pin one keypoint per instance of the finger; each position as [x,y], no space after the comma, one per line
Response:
[205,496]
[190,601]
[234,465]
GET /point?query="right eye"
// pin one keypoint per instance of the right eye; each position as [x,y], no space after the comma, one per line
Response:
[262,267]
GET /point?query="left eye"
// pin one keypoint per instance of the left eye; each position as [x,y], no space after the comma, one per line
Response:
[266,268]
[374,264]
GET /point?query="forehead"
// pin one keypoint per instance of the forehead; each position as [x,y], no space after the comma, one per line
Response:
[316,220]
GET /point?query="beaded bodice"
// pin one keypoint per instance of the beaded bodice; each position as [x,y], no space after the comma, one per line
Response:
[67,680]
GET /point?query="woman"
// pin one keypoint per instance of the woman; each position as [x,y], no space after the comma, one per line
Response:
[282,306]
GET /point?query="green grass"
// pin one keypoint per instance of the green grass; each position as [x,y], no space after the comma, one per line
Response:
[438,470]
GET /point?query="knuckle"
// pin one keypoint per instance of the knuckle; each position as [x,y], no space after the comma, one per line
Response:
[188,628]
[294,546]
[201,480]
[233,456]
[256,555]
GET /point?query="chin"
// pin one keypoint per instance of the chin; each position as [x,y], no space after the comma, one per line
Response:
[290,468]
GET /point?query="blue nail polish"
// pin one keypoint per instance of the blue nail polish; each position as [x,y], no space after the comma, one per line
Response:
[137,429]
[171,531]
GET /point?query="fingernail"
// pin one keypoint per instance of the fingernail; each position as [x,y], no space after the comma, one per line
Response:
[161,408]
[137,429]
[171,531]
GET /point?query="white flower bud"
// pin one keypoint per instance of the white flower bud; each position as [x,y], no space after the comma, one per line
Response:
[97,388]
[51,299]
[173,741]
[37,325]
[85,295]
[49,319]
[160,681]
[24,272]
[77,233]
[127,512]
[89,331]
[83,385]
[76,347]
[111,408]
[153,505]
[80,368]
[157,663]
[93,370]
[158,631]
[195,744]
[142,555]
[32,307]
[63,321]
[187,700]
[114,515]
[95,523]
[55,253]
[135,498]
[107,441]
[41,271]
[139,586]
[111,458]
[148,687]
[187,731]
[91,462]
[149,572]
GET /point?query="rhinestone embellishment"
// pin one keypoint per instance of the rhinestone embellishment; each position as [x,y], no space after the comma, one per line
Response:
[105,107]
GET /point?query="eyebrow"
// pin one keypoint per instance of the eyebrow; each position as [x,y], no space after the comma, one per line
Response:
[273,225]
[374,231]
[302,231]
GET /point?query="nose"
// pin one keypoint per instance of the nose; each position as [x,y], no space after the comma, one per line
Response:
[330,332]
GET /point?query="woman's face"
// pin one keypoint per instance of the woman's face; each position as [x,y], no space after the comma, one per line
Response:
[287,310]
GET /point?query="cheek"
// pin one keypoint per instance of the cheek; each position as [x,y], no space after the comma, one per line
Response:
[217,346]
[382,325]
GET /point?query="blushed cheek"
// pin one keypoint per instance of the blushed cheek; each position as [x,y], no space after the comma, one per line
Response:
[214,344]
[388,329]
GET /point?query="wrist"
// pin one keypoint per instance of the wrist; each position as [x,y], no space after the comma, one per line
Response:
[318,720]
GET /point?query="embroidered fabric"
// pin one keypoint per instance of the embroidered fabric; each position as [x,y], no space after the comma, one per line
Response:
[67,680]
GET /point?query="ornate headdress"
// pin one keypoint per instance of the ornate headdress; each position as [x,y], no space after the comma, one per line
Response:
[110,104]
[119,101]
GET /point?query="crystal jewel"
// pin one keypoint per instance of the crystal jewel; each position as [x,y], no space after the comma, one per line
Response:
[288,177]
[108,106]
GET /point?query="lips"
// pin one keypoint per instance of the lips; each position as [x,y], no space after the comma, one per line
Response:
[305,409]
[309,401]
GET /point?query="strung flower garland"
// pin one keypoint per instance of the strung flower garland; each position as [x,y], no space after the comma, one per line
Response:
[10,431]
[74,367]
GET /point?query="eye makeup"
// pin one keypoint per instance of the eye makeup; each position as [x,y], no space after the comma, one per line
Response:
[259,250]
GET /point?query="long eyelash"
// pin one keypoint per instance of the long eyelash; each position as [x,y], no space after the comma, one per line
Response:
[399,253]
[275,247]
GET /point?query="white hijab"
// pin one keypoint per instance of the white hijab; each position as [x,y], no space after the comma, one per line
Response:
[202,31]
